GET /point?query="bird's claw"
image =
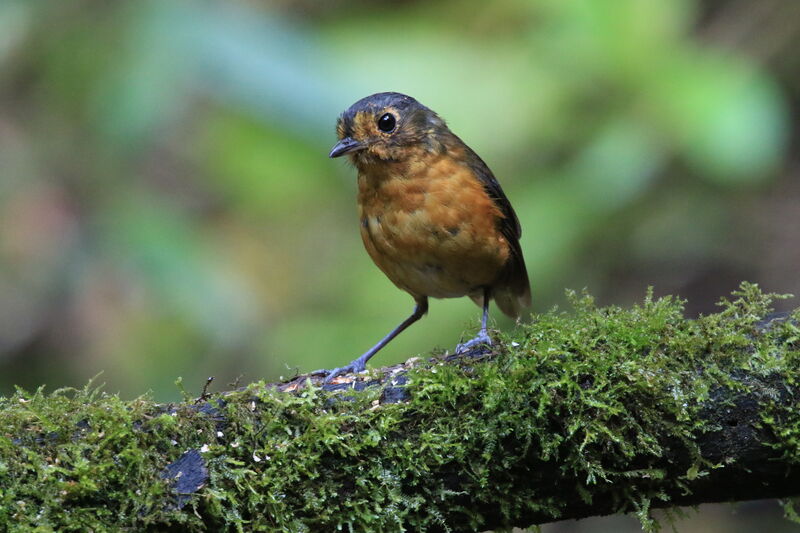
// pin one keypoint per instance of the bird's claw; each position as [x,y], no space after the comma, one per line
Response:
[482,338]
[354,367]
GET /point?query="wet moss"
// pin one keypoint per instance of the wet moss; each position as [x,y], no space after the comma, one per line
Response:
[593,403]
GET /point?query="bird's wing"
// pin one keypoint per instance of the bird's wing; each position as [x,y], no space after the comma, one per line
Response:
[515,291]
[509,224]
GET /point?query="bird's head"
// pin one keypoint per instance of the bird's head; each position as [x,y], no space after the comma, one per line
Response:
[387,127]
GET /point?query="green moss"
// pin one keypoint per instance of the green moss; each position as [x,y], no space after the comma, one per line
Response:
[585,403]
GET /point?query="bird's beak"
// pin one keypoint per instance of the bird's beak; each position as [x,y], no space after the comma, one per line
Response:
[345,146]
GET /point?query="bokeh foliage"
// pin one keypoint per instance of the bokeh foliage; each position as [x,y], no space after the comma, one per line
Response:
[167,207]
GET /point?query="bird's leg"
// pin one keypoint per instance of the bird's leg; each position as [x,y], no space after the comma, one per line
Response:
[358,365]
[483,336]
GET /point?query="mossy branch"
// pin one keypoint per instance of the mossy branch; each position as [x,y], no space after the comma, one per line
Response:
[587,412]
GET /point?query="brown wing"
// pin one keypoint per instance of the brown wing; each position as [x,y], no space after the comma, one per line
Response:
[512,291]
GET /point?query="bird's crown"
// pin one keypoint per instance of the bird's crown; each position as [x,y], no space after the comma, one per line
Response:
[382,125]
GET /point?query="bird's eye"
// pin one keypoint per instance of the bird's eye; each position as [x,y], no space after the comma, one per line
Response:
[387,122]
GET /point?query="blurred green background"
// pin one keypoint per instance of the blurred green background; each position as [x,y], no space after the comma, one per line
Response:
[167,207]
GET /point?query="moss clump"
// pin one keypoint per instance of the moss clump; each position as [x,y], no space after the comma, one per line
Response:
[577,407]
[82,460]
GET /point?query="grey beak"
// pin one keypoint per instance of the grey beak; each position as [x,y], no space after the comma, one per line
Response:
[345,146]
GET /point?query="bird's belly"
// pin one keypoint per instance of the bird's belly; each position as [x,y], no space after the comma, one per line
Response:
[440,252]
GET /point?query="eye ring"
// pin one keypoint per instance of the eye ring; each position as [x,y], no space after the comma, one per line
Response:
[387,123]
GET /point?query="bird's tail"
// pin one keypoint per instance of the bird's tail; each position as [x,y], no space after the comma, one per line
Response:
[512,292]
[512,295]
[512,300]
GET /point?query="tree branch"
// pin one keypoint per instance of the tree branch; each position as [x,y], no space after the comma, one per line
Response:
[597,411]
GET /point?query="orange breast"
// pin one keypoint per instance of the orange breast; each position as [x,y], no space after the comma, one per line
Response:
[430,227]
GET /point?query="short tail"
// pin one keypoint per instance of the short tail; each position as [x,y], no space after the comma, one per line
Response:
[512,292]
[511,300]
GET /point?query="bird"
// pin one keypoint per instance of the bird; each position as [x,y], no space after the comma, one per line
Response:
[432,215]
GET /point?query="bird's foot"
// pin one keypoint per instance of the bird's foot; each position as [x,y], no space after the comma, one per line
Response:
[482,338]
[355,366]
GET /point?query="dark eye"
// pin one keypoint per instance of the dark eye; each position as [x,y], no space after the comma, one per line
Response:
[387,123]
